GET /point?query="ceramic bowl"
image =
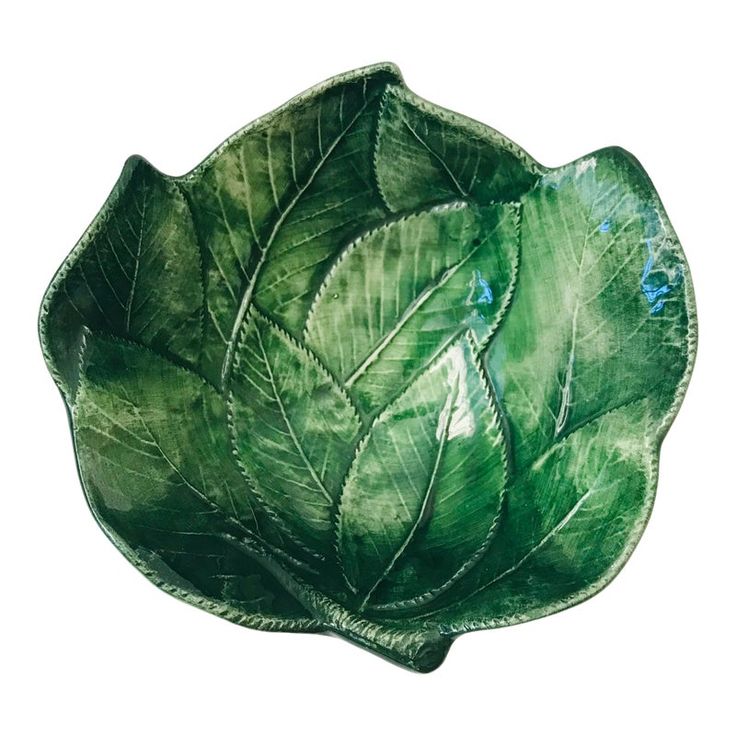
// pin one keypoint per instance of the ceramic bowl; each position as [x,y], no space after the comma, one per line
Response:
[370,369]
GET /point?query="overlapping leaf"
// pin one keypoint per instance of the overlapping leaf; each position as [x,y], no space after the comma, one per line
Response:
[370,369]
[398,296]
[294,429]
[139,279]
[583,336]
[275,204]
[421,498]
[569,524]
[427,154]
[155,459]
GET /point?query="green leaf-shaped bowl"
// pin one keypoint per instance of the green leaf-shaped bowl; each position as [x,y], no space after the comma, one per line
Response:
[370,369]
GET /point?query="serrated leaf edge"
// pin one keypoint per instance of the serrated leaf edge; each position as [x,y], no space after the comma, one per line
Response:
[430,595]
[513,207]
[457,204]
[556,446]
[309,356]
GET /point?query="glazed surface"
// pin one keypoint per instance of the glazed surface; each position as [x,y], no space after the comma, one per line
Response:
[371,369]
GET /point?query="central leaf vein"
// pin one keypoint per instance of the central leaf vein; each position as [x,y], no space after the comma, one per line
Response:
[287,422]
[248,295]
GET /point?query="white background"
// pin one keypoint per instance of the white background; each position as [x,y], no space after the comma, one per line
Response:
[90,647]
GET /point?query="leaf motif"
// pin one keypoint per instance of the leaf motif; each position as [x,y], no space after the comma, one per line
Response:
[145,432]
[421,497]
[568,520]
[274,204]
[154,457]
[398,296]
[489,472]
[582,321]
[135,273]
[294,429]
[425,154]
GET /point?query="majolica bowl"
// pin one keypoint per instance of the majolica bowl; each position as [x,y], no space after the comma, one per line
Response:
[370,369]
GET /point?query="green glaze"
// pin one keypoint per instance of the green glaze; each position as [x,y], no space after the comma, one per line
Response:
[370,369]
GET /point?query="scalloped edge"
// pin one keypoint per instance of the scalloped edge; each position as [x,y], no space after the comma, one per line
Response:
[471,127]
[484,132]
[299,100]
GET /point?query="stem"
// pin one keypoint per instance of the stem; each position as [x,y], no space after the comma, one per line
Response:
[422,650]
